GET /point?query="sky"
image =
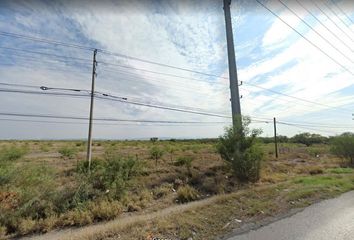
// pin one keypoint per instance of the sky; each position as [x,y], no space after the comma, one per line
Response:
[314,65]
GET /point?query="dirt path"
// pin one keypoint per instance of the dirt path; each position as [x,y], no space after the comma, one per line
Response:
[87,232]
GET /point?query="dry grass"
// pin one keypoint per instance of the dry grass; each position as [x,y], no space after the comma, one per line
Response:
[158,187]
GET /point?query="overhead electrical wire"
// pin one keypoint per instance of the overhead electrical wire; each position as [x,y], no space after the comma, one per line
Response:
[43,40]
[113,124]
[160,73]
[297,98]
[322,24]
[110,97]
[309,41]
[59,43]
[313,29]
[88,92]
[171,123]
[88,48]
[46,54]
[105,119]
[166,84]
[342,11]
[330,19]
[311,129]
[335,14]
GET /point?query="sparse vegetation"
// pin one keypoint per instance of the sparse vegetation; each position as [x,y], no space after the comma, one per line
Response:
[185,161]
[343,146]
[67,152]
[308,139]
[156,153]
[12,153]
[39,193]
[187,194]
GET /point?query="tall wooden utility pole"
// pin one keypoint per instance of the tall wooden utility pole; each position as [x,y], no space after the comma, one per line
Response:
[89,141]
[235,96]
[275,137]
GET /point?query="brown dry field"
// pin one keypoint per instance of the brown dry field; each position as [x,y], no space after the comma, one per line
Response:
[300,176]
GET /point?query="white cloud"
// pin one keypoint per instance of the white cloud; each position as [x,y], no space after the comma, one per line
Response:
[170,35]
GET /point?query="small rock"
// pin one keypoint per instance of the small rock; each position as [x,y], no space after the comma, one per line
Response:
[238,220]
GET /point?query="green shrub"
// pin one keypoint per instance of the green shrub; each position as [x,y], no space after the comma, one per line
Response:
[239,147]
[343,146]
[67,152]
[185,161]
[187,194]
[156,153]
[341,170]
[308,139]
[12,153]
[111,174]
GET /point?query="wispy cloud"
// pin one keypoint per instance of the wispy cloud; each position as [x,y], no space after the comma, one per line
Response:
[187,34]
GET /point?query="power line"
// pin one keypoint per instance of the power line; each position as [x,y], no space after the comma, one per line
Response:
[41,93]
[45,88]
[111,124]
[48,41]
[322,24]
[315,125]
[329,18]
[341,10]
[313,29]
[313,44]
[335,14]
[161,73]
[43,40]
[225,77]
[45,54]
[156,63]
[113,98]
[41,60]
[307,128]
[18,85]
[107,119]
[177,87]
[110,97]
[297,98]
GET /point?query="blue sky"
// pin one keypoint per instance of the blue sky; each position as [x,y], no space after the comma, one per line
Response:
[185,34]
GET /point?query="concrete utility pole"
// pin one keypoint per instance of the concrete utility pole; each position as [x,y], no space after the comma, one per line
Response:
[235,97]
[275,138]
[89,141]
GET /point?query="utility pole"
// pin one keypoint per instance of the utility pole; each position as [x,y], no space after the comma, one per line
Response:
[235,96]
[89,141]
[275,138]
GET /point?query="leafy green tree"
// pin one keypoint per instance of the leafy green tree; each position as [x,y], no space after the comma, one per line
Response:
[239,147]
[343,146]
[308,139]
[156,153]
